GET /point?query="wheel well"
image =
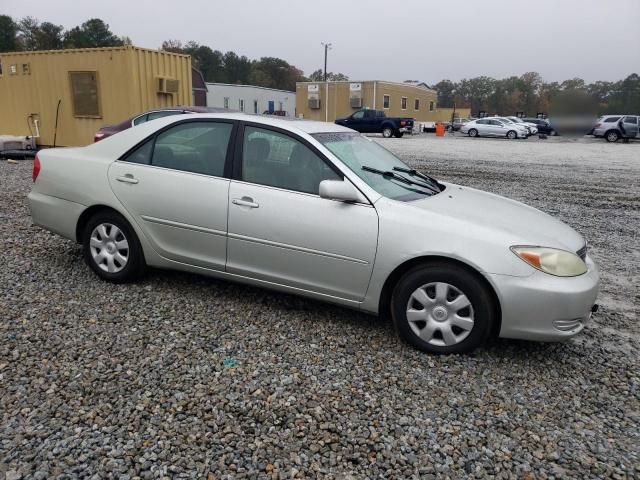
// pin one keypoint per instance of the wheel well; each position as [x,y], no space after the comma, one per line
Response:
[86,215]
[384,307]
[612,130]
[388,124]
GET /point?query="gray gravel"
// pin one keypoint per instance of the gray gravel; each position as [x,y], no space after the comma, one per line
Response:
[180,376]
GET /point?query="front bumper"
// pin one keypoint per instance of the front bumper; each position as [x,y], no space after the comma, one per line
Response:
[543,307]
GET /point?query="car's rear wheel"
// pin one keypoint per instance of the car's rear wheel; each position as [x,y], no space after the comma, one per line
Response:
[473,132]
[612,136]
[111,248]
[387,132]
[442,308]
[511,134]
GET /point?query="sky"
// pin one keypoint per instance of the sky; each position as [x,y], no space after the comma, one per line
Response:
[384,40]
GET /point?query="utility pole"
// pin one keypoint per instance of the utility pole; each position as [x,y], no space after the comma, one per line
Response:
[327,46]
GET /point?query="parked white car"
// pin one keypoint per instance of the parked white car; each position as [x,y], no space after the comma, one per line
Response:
[493,127]
[532,127]
[319,210]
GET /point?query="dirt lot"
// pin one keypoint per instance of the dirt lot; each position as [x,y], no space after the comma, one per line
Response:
[184,376]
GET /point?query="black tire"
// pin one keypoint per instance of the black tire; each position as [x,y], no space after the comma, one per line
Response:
[135,263]
[449,128]
[612,136]
[511,134]
[398,134]
[553,133]
[387,132]
[473,132]
[482,307]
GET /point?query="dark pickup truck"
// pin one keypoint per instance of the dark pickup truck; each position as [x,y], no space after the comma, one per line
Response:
[375,121]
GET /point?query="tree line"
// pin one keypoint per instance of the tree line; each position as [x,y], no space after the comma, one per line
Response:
[529,93]
[229,67]
[28,33]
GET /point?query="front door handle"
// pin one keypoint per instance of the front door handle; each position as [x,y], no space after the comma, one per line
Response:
[128,178]
[245,202]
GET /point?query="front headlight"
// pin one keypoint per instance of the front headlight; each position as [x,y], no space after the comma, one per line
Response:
[552,260]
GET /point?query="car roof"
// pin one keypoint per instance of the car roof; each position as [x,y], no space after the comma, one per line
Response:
[115,145]
[287,123]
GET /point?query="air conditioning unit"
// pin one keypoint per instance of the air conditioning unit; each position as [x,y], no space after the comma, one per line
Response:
[314,103]
[356,102]
[12,142]
[167,85]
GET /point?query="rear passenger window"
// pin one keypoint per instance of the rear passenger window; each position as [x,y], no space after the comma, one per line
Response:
[277,160]
[611,119]
[142,154]
[198,147]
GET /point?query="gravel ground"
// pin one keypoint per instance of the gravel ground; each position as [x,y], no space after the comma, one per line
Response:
[183,376]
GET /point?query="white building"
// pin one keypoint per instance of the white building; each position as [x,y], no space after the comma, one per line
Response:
[251,99]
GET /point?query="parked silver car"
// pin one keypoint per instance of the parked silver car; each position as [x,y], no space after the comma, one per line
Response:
[609,127]
[494,127]
[532,127]
[319,210]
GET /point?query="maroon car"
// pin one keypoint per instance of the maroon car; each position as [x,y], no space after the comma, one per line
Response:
[109,130]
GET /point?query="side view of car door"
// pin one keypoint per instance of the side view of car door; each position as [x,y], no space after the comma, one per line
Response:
[280,229]
[630,124]
[173,186]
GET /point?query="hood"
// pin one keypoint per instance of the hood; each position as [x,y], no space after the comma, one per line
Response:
[517,223]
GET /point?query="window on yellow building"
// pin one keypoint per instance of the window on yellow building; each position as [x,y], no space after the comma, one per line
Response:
[386,101]
[431,106]
[416,104]
[404,103]
[84,94]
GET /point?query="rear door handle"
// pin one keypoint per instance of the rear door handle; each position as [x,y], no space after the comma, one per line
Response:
[128,178]
[245,202]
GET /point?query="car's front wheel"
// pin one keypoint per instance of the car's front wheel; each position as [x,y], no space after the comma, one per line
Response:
[442,308]
[511,134]
[111,248]
[473,132]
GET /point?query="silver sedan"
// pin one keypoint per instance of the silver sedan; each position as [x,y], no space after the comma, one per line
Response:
[494,127]
[318,210]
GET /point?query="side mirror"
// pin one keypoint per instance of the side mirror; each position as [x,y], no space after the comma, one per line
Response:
[341,190]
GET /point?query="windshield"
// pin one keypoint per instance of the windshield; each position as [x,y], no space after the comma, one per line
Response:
[356,151]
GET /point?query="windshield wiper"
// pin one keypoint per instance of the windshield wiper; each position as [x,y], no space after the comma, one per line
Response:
[416,173]
[391,175]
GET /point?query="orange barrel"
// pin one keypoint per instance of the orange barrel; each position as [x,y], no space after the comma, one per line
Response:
[439,129]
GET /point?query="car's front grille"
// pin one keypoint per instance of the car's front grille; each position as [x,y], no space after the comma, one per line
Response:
[582,253]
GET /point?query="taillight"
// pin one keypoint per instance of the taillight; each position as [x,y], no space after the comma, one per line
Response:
[98,136]
[36,168]
[598,125]
[402,123]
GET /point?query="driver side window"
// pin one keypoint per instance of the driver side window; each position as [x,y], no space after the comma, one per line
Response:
[359,115]
[273,159]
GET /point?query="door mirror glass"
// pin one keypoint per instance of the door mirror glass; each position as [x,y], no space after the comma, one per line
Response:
[341,190]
